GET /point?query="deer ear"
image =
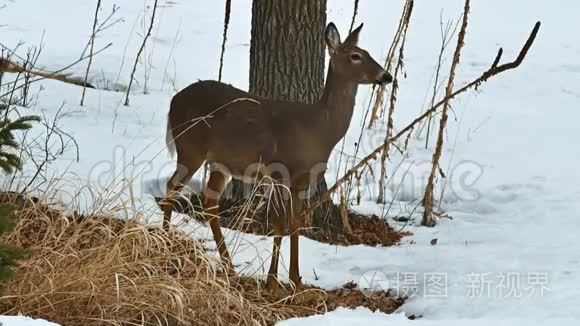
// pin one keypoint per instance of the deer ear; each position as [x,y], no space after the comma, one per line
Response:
[332,38]
[352,39]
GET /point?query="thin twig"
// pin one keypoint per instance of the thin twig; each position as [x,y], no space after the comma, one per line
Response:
[354,14]
[103,26]
[53,130]
[428,198]
[446,36]
[140,51]
[93,36]
[393,99]
[227,13]
[380,93]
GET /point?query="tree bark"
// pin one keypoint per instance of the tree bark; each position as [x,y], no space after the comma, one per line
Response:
[287,49]
[287,53]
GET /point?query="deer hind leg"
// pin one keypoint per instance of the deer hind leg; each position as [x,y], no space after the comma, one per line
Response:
[211,196]
[296,223]
[280,214]
[182,175]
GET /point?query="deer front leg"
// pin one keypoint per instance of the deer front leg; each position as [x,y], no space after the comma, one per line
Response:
[211,195]
[272,279]
[296,223]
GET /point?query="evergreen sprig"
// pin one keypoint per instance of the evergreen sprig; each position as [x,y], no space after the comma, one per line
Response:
[8,160]
[9,255]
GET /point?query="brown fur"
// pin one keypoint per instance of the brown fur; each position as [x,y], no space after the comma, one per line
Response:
[290,142]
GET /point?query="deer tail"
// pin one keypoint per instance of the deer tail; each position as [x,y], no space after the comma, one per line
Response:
[169,139]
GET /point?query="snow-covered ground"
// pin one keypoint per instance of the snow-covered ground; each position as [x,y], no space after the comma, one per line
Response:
[508,257]
[23,321]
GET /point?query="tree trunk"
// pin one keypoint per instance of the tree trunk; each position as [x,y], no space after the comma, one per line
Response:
[287,53]
[287,49]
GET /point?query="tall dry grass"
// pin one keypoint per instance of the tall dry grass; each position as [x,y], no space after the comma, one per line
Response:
[99,270]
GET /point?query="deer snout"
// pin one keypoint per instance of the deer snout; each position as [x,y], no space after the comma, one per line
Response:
[384,78]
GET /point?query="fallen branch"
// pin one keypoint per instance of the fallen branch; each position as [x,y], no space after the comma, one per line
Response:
[493,71]
[9,65]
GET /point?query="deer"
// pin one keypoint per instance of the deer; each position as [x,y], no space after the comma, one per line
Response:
[283,140]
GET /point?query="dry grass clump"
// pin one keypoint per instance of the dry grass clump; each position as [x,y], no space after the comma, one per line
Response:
[101,270]
[252,216]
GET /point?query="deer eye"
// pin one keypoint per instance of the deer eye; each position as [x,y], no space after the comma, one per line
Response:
[355,57]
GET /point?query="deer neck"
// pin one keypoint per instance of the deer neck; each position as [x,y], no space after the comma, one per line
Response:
[337,105]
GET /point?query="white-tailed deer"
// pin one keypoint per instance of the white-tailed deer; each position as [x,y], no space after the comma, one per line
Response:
[286,141]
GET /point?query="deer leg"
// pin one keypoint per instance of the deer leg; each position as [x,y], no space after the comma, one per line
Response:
[211,195]
[272,280]
[296,222]
[181,176]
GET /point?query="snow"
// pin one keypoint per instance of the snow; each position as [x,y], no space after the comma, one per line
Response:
[23,321]
[363,316]
[513,184]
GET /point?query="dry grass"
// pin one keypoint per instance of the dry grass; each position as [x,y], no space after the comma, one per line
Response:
[99,270]
[255,216]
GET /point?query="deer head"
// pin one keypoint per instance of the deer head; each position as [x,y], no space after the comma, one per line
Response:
[352,62]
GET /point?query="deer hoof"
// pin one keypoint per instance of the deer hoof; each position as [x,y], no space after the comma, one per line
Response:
[297,283]
[272,284]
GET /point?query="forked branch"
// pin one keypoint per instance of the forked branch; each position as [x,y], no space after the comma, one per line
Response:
[492,71]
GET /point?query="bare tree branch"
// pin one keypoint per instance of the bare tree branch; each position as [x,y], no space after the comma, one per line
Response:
[493,71]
